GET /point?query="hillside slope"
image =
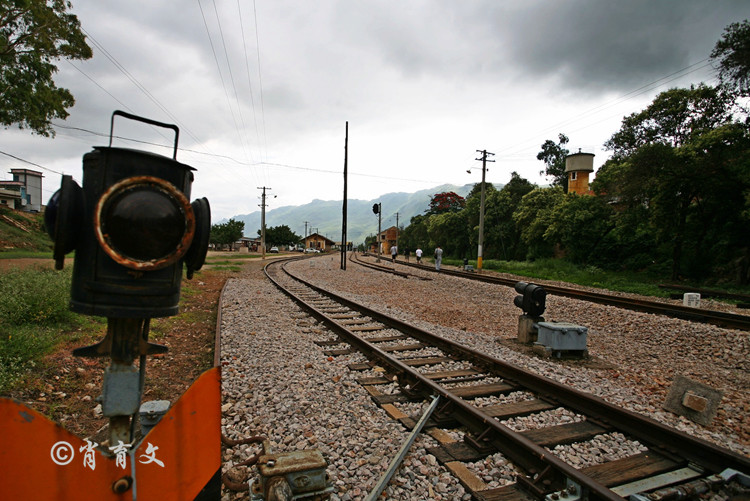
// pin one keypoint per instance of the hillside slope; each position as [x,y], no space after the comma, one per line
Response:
[325,216]
[23,231]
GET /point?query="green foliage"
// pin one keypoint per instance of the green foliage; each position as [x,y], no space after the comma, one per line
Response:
[587,275]
[450,231]
[553,155]
[502,236]
[227,233]
[680,169]
[33,305]
[281,235]
[20,350]
[33,34]
[732,54]
[579,224]
[534,216]
[34,296]
[415,235]
[675,117]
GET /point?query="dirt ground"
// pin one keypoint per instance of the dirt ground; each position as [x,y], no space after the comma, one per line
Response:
[65,388]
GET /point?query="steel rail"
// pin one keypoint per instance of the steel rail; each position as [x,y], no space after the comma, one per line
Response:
[714,317]
[518,448]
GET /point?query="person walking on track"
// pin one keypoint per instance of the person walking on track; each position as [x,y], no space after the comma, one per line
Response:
[438,257]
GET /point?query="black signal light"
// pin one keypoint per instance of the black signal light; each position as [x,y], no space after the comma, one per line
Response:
[144,223]
[532,300]
[132,227]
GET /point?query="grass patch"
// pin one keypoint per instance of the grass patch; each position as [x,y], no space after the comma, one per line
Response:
[589,276]
[33,312]
[26,254]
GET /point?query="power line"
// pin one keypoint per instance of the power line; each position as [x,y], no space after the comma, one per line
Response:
[249,79]
[525,145]
[240,133]
[30,163]
[260,78]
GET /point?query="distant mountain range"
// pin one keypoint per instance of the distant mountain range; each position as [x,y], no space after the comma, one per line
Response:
[325,216]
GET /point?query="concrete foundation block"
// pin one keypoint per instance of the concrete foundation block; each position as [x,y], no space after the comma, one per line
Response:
[527,330]
[694,400]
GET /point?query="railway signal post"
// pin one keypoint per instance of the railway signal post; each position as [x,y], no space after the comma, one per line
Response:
[132,228]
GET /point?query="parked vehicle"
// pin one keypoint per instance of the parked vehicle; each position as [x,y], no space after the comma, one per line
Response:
[273,249]
[307,251]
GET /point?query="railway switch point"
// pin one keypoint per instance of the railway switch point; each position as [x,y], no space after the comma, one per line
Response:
[694,400]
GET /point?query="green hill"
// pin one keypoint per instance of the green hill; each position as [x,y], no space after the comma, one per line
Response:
[325,215]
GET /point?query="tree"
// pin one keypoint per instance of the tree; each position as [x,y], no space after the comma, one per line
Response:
[281,235]
[446,202]
[415,235]
[732,55]
[674,118]
[33,34]
[534,216]
[553,155]
[227,233]
[579,224]
[679,164]
[450,231]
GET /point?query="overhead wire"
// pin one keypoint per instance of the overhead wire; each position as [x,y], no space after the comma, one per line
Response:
[525,145]
[249,79]
[240,132]
[260,79]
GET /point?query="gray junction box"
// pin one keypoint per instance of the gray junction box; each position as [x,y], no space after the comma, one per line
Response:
[562,337]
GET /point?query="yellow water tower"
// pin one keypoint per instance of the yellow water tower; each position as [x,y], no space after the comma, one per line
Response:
[578,166]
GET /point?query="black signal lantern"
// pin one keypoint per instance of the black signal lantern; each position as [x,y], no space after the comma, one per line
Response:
[132,227]
[532,299]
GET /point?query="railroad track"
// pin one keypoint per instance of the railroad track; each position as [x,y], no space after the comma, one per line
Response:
[425,366]
[720,318]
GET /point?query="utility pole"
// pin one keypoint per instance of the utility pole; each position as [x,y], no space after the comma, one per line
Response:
[481,207]
[343,225]
[263,222]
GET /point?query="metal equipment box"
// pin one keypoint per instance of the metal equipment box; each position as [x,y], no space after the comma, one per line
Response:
[562,336]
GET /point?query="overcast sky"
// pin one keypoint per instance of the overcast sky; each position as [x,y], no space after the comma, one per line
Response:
[262,90]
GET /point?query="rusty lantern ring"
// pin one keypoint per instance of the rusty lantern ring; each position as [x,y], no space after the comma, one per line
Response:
[166,188]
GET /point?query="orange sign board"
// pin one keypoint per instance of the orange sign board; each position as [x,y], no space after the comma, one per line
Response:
[39,459]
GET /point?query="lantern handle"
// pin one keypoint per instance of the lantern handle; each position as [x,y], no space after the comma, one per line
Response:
[144,120]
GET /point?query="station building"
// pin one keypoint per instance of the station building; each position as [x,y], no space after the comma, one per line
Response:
[24,191]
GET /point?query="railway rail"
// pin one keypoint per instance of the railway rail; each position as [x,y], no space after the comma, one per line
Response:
[719,318]
[408,355]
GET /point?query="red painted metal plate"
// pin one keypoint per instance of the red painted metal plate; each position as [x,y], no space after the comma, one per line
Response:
[39,459]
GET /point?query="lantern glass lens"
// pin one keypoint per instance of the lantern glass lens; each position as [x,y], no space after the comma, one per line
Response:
[144,223]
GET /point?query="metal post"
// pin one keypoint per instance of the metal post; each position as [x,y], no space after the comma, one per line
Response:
[380,213]
[481,209]
[263,223]
[343,225]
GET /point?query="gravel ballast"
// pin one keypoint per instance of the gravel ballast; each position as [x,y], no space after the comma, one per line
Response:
[278,383]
